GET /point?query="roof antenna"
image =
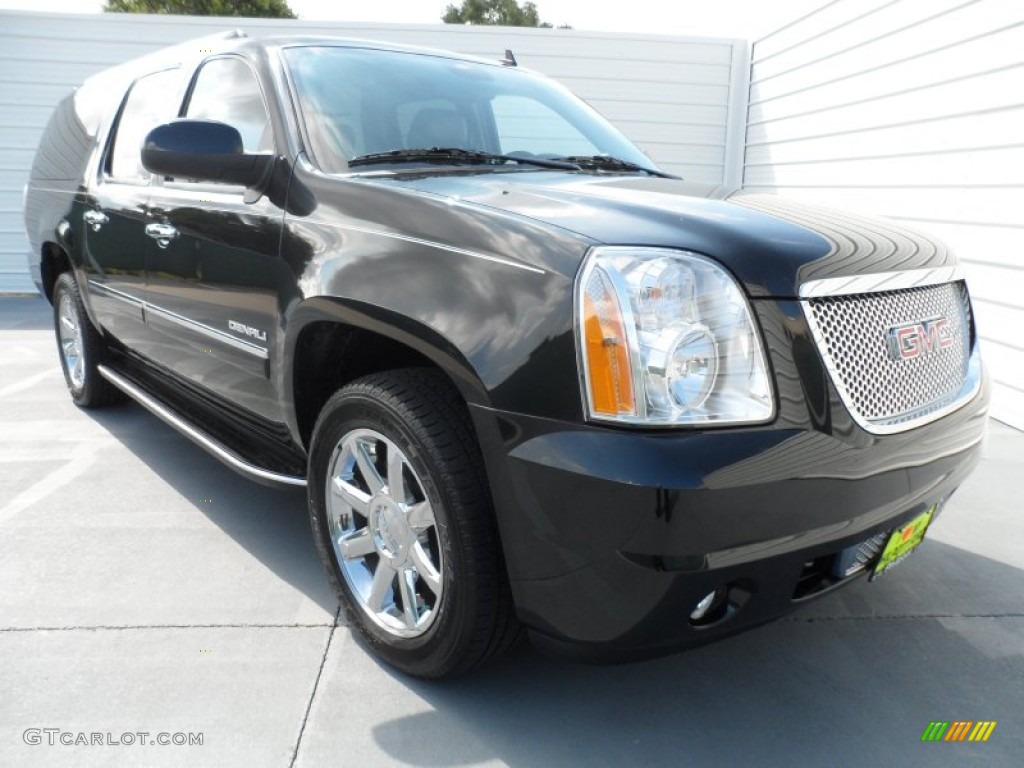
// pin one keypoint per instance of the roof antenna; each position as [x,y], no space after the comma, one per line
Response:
[510,59]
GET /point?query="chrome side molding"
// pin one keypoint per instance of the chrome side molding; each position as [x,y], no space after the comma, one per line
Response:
[197,436]
[172,317]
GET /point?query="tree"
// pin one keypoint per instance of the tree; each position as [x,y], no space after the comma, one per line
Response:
[507,13]
[276,9]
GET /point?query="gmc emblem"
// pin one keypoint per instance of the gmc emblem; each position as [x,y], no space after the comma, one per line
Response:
[912,340]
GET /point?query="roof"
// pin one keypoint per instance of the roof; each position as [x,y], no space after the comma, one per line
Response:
[286,41]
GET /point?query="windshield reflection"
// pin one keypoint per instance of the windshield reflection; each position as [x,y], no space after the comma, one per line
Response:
[357,102]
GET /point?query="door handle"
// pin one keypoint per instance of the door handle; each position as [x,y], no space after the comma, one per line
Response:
[162,233]
[95,219]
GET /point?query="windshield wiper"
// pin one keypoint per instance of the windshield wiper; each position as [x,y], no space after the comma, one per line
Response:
[456,154]
[609,163]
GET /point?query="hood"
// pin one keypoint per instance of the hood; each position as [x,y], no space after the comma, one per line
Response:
[770,243]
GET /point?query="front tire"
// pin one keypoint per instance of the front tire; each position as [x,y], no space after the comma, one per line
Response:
[80,346]
[403,522]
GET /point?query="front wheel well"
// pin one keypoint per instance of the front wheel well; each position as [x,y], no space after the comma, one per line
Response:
[328,355]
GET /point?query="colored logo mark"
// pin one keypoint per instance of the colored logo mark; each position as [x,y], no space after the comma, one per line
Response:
[959,730]
[912,340]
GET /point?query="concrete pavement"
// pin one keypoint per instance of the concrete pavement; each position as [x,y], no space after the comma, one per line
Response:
[146,588]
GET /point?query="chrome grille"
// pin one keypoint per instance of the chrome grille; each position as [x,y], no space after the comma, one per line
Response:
[853,336]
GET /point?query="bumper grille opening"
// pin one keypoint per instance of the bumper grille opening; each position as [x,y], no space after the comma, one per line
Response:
[828,570]
[815,577]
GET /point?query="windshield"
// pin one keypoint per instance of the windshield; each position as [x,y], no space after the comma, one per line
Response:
[357,102]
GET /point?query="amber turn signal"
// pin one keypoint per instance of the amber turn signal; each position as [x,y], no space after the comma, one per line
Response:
[610,374]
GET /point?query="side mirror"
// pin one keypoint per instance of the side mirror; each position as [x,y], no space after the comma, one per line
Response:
[203,150]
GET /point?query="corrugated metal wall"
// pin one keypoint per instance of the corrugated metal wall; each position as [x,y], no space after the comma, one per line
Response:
[913,109]
[682,100]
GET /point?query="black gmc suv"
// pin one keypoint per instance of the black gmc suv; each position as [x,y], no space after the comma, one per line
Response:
[528,378]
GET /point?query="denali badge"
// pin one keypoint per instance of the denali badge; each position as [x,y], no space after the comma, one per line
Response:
[248,330]
[912,340]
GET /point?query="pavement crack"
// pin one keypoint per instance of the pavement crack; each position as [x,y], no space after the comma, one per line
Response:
[898,616]
[316,686]
[121,627]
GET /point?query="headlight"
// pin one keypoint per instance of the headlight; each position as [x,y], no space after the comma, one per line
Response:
[666,337]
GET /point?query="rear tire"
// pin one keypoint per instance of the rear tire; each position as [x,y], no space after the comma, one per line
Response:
[80,347]
[403,522]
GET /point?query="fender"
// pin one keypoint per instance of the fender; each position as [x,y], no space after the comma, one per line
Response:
[368,317]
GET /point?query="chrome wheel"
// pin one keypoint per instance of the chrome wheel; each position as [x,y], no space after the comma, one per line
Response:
[69,328]
[402,520]
[384,534]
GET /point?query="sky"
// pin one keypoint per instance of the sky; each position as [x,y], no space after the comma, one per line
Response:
[749,19]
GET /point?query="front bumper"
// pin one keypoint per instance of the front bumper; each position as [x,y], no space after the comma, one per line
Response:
[612,536]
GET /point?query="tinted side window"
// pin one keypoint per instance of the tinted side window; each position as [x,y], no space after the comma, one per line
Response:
[226,90]
[152,100]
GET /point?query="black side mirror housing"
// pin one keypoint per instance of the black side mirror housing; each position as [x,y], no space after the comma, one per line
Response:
[204,150]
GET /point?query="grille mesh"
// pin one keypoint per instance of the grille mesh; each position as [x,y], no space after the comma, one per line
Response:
[852,334]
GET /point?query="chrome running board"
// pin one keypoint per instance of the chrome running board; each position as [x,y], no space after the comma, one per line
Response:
[197,436]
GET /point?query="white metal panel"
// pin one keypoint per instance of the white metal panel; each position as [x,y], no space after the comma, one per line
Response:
[820,21]
[912,109]
[976,165]
[995,319]
[985,53]
[990,285]
[999,127]
[849,39]
[925,31]
[936,208]
[679,99]
[983,93]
